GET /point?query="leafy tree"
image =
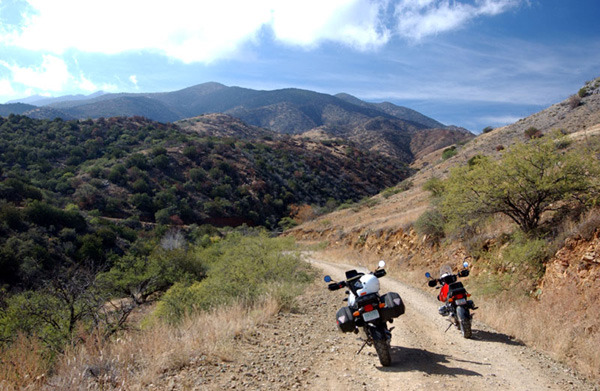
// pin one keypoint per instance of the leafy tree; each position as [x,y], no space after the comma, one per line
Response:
[52,313]
[532,178]
[139,276]
[118,174]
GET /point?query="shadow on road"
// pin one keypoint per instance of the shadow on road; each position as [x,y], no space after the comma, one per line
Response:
[490,336]
[410,359]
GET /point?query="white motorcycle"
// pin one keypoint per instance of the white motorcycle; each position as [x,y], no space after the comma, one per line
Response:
[368,310]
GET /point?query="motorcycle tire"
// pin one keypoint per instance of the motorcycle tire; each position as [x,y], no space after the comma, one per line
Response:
[382,347]
[464,319]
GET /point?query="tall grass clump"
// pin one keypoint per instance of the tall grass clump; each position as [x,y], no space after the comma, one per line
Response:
[24,364]
[242,268]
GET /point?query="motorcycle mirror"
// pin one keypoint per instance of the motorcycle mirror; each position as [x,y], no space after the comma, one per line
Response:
[466,264]
[428,275]
[327,279]
[381,263]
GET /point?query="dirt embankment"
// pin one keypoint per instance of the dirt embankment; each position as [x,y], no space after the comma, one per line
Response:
[304,350]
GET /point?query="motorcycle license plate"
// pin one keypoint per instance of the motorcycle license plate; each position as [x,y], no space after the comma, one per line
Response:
[461,301]
[369,316]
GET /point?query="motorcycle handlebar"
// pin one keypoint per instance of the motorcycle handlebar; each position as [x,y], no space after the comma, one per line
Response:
[334,286]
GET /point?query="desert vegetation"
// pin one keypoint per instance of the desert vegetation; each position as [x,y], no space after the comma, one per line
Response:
[537,185]
[512,215]
[99,218]
[68,339]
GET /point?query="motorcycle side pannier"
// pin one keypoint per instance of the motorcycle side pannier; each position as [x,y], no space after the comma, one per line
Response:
[345,320]
[394,306]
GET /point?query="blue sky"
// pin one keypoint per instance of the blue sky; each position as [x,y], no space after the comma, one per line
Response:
[471,63]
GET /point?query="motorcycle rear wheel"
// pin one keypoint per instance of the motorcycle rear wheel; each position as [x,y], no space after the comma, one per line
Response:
[381,341]
[464,319]
[383,352]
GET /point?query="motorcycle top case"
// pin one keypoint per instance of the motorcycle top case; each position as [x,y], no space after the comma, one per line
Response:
[345,320]
[394,306]
[456,288]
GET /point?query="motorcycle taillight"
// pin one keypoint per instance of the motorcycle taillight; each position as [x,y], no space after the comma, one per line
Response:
[368,308]
[459,296]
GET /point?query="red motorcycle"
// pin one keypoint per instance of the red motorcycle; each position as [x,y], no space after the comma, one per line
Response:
[455,298]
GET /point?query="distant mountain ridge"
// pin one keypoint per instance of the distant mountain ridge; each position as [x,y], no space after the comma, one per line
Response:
[288,110]
[38,100]
[379,127]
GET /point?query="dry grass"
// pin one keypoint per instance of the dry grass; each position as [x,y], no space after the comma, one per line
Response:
[138,359]
[23,366]
[561,323]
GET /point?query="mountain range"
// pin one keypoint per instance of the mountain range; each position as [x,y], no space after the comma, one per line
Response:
[380,127]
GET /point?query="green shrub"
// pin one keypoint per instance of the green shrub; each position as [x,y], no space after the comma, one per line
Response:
[522,261]
[287,223]
[435,186]
[240,267]
[449,152]
[431,223]
[139,276]
[533,132]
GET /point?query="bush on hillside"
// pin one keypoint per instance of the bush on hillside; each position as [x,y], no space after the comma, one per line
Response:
[449,152]
[431,223]
[533,132]
[239,267]
[435,186]
[518,267]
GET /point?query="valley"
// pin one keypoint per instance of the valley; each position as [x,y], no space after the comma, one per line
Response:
[144,208]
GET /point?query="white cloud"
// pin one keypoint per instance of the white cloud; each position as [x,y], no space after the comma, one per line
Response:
[52,75]
[6,89]
[194,32]
[208,30]
[85,84]
[133,79]
[356,23]
[420,18]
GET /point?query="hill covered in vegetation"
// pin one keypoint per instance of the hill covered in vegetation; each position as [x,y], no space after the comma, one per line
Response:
[79,190]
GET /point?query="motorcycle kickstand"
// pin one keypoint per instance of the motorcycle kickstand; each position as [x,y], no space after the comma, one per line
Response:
[367,342]
[448,328]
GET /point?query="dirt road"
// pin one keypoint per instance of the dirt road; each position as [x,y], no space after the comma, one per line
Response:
[304,350]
